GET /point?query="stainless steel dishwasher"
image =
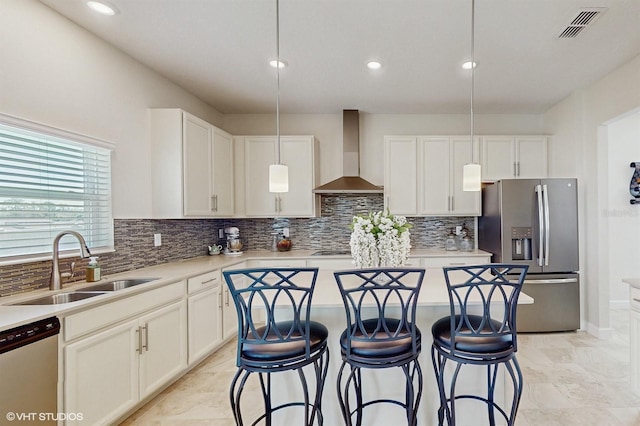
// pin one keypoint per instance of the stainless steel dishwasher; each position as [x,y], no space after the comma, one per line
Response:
[29,366]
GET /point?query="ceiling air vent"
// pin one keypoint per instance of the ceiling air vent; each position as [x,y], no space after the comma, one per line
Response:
[581,20]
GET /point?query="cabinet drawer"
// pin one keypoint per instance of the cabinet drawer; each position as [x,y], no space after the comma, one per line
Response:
[203,281]
[634,296]
[93,319]
[439,262]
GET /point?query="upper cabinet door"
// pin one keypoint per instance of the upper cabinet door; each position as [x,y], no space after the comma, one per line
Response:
[532,157]
[259,152]
[297,153]
[498,157]
[223,189]
[400,172]
[434,180]
[197,167]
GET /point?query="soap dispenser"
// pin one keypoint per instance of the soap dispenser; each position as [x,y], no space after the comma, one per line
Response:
[93,270]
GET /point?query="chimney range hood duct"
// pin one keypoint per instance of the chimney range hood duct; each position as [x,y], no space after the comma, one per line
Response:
[351,182]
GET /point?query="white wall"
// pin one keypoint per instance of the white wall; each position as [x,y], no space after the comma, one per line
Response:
[623,217]
[579,121]
[55,73]
[373,127]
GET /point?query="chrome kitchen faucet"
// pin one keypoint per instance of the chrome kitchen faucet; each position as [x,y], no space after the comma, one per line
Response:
[56,280]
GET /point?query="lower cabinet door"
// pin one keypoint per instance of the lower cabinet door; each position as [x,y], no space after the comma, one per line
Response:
[229,315]
[163,338]
[101,374]
[204,322]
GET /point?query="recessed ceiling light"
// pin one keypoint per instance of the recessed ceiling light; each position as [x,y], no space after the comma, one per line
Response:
[374,65]
[467,65]
[283,63]
[102,7]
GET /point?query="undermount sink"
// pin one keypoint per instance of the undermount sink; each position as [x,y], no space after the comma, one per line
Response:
[118,284]
[60,298]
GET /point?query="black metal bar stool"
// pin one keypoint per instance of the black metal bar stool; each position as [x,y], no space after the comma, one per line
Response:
[380,306]
[275,334]
[481,330]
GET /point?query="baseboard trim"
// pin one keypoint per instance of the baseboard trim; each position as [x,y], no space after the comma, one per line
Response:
[599,332]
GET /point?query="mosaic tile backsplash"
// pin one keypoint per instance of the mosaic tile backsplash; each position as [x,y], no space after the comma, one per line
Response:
[187,238]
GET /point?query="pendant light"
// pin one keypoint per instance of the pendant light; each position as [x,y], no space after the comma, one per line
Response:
[278,173]
[471,176]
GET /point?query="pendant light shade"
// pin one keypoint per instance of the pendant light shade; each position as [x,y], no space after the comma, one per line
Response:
[471,174]
[278,173]
[278,178]
[471,177]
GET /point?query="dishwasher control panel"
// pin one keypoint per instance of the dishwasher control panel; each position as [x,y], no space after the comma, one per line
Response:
[28,333]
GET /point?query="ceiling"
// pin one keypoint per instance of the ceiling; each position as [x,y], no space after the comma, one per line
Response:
[219,51]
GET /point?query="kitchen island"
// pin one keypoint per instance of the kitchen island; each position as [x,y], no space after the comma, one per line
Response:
[186,296]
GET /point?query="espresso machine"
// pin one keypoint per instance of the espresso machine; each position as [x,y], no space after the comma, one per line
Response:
[234,245]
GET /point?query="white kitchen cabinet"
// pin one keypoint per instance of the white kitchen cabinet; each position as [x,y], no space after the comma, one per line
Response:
[513,157]
[108,372]
[423,176]
[192,166]
[229,313]
[299,154]
[204,314]
[400,175]
[163,353]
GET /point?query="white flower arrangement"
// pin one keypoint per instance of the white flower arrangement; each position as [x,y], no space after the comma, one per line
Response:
[380,239]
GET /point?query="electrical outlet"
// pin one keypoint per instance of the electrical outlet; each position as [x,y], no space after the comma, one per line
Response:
[458,229]
[220,233]
[157,240]
[285,232]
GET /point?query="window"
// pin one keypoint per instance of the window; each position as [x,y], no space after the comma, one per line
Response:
[51,181]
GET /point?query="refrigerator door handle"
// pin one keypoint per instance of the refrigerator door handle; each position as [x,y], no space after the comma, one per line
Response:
[545,196]
[540,225]
[552,281]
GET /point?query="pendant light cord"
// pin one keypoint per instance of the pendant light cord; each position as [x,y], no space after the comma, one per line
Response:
[278,80]
[473,65]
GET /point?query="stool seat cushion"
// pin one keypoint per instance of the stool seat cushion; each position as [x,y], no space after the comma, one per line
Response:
[293,347]
[379,343]
[478,344]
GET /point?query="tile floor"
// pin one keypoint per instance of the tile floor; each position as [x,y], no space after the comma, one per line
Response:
[570,379]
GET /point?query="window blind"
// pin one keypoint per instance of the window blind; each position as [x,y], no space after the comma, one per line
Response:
[48,184]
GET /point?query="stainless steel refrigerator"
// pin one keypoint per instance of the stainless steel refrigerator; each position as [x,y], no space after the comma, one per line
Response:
[535,222]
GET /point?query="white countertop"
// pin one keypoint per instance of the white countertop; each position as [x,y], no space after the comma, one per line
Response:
[12,316]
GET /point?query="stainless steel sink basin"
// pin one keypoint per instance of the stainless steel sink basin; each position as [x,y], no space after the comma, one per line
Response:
[57,299]
[118,284]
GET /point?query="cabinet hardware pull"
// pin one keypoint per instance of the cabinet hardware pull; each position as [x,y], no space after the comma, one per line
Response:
[139,347]
[276,206]
[219,300]
[518,163]
[146,337]
[514,169]
[452,203]
[213,203]
[208,281]
[226,297]
[636,300]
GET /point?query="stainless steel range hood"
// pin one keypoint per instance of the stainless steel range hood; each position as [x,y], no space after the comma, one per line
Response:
[350,182]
